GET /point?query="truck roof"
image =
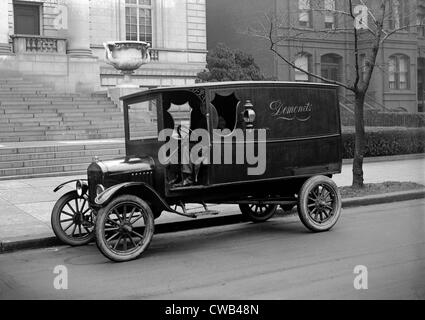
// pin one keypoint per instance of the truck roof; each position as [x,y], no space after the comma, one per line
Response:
[228,84]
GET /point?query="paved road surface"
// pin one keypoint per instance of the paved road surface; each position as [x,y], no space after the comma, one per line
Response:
[275,260]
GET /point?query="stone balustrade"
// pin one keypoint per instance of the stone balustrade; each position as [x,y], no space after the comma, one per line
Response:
[154,53]
[38,44]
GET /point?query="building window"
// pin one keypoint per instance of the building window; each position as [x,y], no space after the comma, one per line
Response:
[330,20]
[331,66]
[26,18]
[305,13]
[303,61]
[400,15]
[138,20]
[398,72]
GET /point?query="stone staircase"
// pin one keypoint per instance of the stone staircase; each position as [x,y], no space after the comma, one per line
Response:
[32,112]
[34,118]
[49,159]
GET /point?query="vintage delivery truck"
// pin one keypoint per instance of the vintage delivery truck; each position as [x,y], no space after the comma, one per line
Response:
[284,141]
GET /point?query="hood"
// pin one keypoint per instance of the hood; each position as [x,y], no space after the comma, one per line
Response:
[125,165]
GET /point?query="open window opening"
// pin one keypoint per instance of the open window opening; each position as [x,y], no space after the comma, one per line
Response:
[183,113]
[226,107]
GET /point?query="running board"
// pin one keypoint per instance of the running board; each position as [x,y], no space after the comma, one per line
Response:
[261,202]
[190,214]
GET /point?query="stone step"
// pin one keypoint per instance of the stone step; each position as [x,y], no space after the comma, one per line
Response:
[39,122]
[62,137]
[47,162]
[96,118]
[40,132]
[45,175]
[22,138]
[13,80]
[66,126]
[69,106]
[92,113]
[68,146]
[52,100]
[54,95]
[62,126]
[118,151]
[41,90]
[44,169]
[10,128]
[77,131]
[64,106]
[32,119]
[12,86]
[11,114]
[20,115]
[71,111]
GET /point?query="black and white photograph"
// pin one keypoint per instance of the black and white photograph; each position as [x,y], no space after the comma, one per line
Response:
[212,155]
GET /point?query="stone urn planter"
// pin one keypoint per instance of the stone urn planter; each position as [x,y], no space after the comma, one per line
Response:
[127,56]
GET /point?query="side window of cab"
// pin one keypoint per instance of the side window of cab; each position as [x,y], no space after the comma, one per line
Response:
[224,108]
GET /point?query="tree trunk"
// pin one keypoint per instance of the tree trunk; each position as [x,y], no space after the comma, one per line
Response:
[359,140]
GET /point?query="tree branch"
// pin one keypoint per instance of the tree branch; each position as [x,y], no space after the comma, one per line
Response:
[400,29]
[273,49]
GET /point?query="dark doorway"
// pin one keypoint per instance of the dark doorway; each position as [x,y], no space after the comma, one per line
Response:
[27,19]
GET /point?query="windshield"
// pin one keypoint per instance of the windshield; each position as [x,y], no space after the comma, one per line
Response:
[142,119]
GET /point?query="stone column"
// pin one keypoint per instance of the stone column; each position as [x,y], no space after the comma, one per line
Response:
[78,28]
[4,27]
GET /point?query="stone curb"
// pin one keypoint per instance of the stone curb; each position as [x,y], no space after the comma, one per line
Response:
[400,157]
[383,198]
[44,242]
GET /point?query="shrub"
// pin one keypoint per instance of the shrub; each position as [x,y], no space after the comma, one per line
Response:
[226,64]
[385,141]
[386,119]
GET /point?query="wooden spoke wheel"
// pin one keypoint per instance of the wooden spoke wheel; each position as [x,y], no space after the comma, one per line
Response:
[72,219]
[319,204]
[258,212]
[124,228]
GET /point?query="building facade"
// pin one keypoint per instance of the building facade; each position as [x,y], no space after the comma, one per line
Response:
[325,45]
[60,42]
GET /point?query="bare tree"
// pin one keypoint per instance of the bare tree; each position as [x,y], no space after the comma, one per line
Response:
[381,20]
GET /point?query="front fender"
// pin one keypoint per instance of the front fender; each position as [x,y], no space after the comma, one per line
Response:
[65,183]
[137,188]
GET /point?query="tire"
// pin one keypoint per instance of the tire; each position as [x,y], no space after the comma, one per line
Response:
[115,228]
[319,204]
[72,222]
[258,213]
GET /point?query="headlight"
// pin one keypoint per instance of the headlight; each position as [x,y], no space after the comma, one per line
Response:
[99,189]
[81,188]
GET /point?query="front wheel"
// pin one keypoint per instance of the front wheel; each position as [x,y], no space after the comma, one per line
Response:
[124,228]
[72,219]
[258,212]
[319,204]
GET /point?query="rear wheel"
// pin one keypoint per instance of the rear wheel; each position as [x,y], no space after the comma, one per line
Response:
[124,228]
[319,204]
[258,212]
[72,219]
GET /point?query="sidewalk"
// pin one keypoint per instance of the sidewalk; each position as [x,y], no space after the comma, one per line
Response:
[26,204]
